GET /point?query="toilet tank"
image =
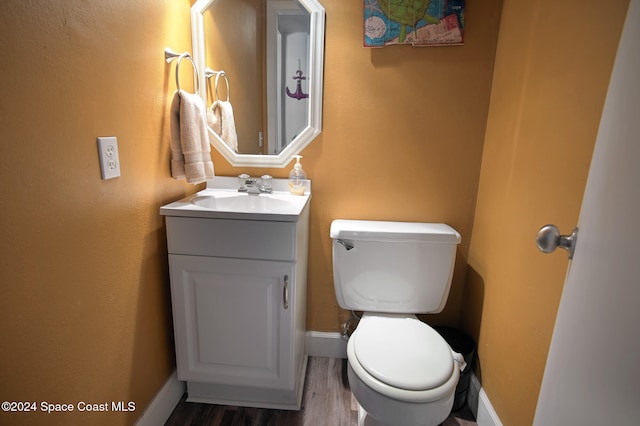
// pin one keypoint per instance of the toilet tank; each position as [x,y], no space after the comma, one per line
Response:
[395,267]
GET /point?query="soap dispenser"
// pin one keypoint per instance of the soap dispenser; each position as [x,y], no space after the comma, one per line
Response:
[297,178]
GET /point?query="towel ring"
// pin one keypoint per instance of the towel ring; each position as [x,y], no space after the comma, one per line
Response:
[226,80]
[180,58]
[210,73]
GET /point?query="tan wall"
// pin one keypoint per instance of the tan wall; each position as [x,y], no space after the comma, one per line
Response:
[84,302]
[551,74]
[402,139]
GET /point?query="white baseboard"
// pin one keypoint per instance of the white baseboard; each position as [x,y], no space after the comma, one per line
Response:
[330,345]
[162,405]
[318,343]
[480,405]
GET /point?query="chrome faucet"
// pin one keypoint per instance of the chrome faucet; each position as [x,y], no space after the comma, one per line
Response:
[251,185]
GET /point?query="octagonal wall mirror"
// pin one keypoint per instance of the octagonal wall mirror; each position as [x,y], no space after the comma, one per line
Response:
[271,53]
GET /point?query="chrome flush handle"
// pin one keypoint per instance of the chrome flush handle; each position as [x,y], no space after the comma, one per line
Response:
[346,244]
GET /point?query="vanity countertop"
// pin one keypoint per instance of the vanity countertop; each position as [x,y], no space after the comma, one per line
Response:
[222,200]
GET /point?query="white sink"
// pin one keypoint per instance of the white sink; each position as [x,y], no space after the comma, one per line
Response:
[239,202]
[221,199]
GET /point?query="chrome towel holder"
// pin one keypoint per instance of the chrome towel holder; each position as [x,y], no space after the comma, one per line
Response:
[170,56]
[208,73]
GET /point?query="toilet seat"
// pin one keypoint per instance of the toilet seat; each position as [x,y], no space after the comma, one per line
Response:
[394,371]
[403,352]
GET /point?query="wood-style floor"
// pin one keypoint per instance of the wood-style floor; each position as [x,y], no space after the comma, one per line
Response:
[327,400]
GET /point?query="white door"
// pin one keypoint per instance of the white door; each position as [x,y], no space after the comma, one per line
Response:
[592,376]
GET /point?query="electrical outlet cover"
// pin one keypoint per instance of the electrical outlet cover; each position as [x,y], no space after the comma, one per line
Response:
[109,160]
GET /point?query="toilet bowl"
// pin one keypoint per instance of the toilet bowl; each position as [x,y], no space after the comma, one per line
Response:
[401,371]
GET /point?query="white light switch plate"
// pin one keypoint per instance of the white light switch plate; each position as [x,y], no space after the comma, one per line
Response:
[109,160]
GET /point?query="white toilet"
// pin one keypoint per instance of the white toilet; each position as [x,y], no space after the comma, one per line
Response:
[401,371]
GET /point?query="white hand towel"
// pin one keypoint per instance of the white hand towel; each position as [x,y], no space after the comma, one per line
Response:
[220,119]
[190,150]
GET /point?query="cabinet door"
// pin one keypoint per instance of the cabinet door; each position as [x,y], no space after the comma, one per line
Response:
[231,321]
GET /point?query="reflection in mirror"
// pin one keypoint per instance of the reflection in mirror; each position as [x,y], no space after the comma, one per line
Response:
[264,60]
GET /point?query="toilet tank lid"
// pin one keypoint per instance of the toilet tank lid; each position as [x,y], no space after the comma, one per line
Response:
[371,230]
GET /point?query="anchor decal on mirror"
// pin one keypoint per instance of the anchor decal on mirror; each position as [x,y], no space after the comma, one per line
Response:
[298,93]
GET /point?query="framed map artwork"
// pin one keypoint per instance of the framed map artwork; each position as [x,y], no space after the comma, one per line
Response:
[413,22]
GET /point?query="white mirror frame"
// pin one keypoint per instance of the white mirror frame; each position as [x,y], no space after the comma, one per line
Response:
[316,67]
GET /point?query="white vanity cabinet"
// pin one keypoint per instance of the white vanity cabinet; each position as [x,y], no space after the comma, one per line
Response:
[238,289]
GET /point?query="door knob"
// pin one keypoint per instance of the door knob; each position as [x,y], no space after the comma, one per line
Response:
[549,239]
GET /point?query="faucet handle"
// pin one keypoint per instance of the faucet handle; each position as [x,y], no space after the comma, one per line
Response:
[242,182]
[266,183]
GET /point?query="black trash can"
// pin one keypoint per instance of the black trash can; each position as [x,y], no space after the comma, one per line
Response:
[463,344]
